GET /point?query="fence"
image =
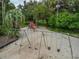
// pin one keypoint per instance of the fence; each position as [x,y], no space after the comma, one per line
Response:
[59,45]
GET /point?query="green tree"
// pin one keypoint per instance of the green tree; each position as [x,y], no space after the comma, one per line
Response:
[0,13]
[10,6]
[5,6]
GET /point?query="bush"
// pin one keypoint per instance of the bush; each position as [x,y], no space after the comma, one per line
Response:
[52,21]
[74,24]
[41,22]
[14,20]
[65,20]
[2,31]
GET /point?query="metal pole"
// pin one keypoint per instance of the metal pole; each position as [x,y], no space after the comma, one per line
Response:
[28,39]
[70,45]
[40,48]
[44,39]
[57,8]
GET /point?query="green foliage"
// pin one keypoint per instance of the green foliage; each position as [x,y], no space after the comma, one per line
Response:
[74,24]
[2,31]
[52,21]
[65,20]
[41,22]
[42,11]
[6,7]
[13,16]
[0,13]
[9,6]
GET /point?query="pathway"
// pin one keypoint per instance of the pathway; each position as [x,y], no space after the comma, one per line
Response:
[42,44]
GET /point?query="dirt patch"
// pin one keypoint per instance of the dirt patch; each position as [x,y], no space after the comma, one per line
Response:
[5,40]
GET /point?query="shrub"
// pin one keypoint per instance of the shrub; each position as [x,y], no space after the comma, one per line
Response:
[65,20]
[52,21]
[14,20]
[2,31]
[74,24]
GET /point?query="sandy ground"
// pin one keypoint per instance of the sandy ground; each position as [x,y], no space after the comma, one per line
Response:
[42,44]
